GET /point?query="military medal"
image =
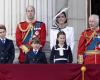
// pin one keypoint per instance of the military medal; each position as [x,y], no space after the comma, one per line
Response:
[36,33]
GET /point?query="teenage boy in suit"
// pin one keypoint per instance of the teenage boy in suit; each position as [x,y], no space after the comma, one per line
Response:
[7,50]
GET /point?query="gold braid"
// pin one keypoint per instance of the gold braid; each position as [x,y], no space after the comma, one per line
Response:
[30,27]
[90,37]
[22,29]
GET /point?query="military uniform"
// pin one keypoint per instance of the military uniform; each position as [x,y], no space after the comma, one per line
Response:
[26,31]
[89,47]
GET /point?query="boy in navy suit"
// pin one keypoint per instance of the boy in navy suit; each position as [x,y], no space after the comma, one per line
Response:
[7,50]
[36,56]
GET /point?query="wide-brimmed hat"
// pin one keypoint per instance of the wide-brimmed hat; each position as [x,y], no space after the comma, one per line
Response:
[62,10]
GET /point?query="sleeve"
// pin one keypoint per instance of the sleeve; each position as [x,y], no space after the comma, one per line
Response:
[70,55]
[81,48]
[72,39]
[51,39]
[11,52]
[81,44]
[18,37]
[43,34]
[53,36]
[44,58]
[52,56]
[27,59]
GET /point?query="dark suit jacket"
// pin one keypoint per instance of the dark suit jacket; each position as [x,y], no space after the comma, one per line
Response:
[39,58]
[7,52]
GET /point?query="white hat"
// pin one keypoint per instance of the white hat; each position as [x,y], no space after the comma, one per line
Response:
[63,10]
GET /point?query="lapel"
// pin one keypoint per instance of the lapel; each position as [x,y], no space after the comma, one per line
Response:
[2,46]
[6,44]
[33,55]
[0,41]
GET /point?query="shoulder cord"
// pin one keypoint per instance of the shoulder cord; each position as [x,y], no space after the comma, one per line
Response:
[23,29]
[90,37]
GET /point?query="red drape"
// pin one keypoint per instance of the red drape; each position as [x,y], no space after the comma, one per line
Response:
[48,72]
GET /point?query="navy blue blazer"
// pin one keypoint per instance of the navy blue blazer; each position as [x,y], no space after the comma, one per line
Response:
[39,58]
[7,52]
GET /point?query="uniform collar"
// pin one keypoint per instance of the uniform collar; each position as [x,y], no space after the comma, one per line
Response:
[33,21]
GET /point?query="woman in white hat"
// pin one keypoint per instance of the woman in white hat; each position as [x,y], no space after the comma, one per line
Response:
[61,25]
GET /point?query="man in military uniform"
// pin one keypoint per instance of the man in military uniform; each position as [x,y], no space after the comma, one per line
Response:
[27,30]
[89,43]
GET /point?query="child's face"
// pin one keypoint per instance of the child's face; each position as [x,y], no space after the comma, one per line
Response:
[36,46]
[61,39]
[2,33]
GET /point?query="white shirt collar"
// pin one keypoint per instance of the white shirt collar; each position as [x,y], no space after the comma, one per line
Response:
[35,50]
[2,38]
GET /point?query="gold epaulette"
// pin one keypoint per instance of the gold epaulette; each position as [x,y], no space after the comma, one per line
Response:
[23,30]
[90,37]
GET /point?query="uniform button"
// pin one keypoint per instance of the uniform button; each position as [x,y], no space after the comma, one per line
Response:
[1,58]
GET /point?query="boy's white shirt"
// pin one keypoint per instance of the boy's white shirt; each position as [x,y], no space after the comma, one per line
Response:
[34,50]
[3,39]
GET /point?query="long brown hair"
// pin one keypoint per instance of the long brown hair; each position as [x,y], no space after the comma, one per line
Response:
[60,33]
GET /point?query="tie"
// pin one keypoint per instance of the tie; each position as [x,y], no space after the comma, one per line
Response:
[35,52]
[3,41]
